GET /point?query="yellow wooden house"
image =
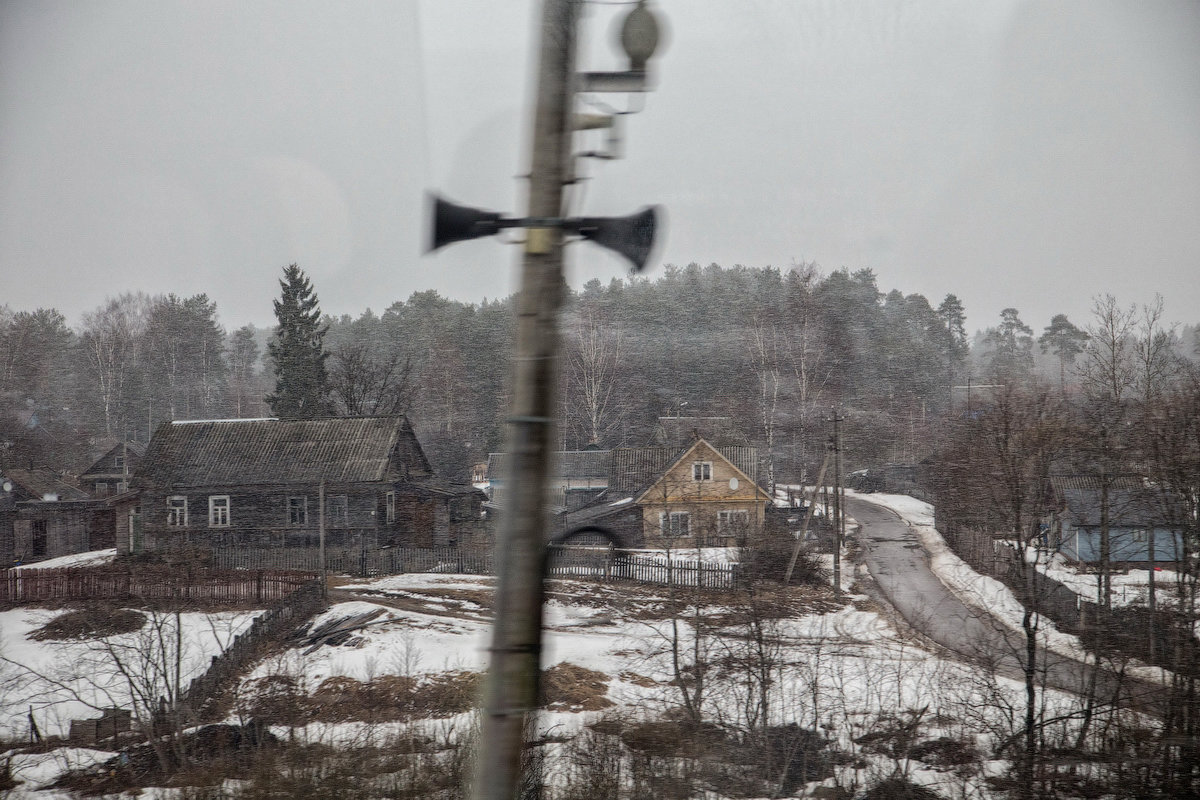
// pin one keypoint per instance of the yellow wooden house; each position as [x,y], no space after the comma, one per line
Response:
[701,500]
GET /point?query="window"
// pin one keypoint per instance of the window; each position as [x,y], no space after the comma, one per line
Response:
[177,511]
[218,511]
[336,510]
[702,470]
[119,462]
[122,486]
[1139,536]
[675,523]
[391,506]
[297,511]
[734,521]
[101,489]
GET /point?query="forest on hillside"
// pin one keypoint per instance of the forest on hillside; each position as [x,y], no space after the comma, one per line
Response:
[775,350]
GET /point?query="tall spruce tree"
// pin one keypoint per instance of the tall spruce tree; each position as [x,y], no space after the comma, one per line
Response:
[298,351]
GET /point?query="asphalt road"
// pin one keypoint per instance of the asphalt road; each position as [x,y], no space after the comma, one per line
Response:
[900,566]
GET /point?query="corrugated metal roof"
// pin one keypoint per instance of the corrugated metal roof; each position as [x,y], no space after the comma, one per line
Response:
[273,451]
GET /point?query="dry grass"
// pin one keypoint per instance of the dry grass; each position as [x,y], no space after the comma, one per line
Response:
[570,687]
[279,699]
[91,623]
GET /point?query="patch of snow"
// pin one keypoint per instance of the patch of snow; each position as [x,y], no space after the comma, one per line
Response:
[66,680]
[93,558]
[704,555]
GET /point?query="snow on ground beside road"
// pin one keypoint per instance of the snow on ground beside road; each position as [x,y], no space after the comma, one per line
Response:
[1129,587]
[981,591]
[94,558]
[70,679]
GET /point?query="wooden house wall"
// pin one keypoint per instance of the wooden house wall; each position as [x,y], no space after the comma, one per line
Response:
[702,500]
[263,513]
[65,532]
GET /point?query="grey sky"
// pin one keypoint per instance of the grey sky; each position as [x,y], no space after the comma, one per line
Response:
[1021,154]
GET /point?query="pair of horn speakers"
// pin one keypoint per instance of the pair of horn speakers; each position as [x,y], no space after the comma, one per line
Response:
[631,236]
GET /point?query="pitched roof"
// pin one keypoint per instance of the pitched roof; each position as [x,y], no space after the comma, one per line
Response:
[38,483]
[687,453]
[635,469]
[1132,502]
[99,467]
[274,451]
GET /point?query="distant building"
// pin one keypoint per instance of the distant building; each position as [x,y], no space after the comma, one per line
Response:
[1141,519]
[697,494]
[259,482]
[110,474]
[42,516]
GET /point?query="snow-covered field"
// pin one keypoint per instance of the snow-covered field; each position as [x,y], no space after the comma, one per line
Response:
[841,667]
[838,665]
[61,680]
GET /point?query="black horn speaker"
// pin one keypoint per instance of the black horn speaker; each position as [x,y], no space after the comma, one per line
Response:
[450,222]
[632,236]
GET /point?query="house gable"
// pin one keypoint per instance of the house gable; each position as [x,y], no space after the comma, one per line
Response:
[684,482]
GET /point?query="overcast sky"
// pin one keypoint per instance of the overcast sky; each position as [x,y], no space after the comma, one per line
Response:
[1027,154]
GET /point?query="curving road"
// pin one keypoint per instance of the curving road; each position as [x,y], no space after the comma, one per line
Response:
[900,566]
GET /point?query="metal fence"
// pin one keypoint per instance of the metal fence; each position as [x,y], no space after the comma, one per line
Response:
[595,563]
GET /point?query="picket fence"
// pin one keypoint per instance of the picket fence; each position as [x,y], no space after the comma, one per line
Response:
[30,585]
[565,562]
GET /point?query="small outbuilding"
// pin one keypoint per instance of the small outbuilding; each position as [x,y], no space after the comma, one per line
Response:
[1141,520]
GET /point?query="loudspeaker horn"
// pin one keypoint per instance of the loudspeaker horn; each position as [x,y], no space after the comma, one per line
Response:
[450,222]
[632,236]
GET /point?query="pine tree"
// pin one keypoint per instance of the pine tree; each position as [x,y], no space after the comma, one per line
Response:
[298,351]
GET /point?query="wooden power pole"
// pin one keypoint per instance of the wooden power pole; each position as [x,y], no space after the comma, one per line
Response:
[512,686]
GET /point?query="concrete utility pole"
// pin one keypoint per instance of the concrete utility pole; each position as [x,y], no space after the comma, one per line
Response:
[512,687]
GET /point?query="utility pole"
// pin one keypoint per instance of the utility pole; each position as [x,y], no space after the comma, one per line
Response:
[512,686]
[839,511]
[321,537]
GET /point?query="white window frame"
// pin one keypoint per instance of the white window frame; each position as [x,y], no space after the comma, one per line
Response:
[702,471]
[674,524]
[118,462]
[102,488]
[297,513]
[390,506]
[177,511]
[218,511]
[335,503]
[733,520]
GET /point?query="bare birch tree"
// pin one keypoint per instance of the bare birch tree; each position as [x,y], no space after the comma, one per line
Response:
[110,342]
